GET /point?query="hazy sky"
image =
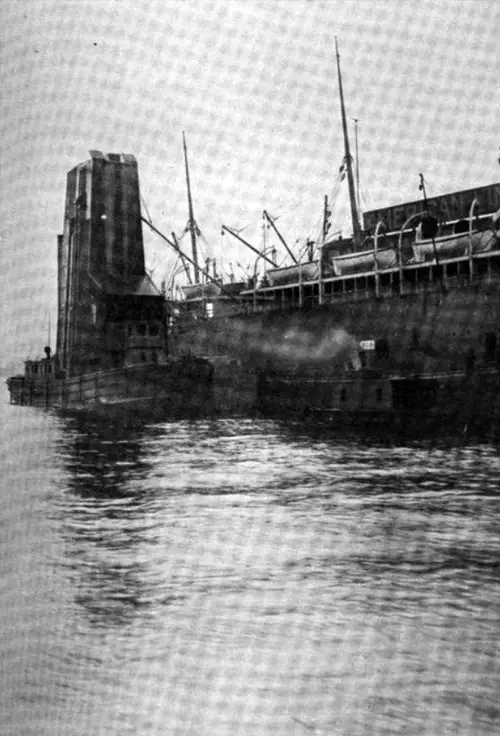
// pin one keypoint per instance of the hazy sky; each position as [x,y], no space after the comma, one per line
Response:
[253,85]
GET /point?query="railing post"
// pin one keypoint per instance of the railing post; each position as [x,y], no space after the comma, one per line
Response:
[380,224]
[400,248]
[469,251]
[320,275]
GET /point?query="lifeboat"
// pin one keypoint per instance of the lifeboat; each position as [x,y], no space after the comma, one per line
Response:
[294,274]
[461,242]
[364,261]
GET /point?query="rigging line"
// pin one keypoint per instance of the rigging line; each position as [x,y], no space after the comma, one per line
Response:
[143,202]
[184,255]
[365,201]
[298,197]
[207,243]
[334,195]
[175,269]
[284,205]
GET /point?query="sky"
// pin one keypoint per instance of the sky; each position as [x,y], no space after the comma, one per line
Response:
[254,86]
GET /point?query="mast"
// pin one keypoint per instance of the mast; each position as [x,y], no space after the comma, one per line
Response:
[191,224]
[348,160]
[358,200]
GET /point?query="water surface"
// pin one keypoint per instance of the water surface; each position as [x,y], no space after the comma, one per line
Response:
[245,577]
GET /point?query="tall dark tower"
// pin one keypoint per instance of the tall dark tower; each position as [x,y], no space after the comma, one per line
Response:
[102,281]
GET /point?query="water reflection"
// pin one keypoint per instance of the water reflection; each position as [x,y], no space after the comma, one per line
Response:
[101,456]
[290,578]
[106,514]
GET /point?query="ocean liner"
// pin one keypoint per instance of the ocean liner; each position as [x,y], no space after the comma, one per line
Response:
[399,322]
[112,342]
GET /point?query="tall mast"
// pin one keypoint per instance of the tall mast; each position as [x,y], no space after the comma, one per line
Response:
[358,200]
[191,224]
[348,160]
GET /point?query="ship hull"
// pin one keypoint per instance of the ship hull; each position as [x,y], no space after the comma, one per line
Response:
[180,387]
[427,329]
[444,403]
[304,357]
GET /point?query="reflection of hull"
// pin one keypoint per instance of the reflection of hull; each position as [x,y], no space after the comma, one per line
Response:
[293,274]
[174,387]
[455,245]
[364,262]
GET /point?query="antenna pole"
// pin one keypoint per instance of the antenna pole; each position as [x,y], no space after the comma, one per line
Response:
[192,225]
[348,160]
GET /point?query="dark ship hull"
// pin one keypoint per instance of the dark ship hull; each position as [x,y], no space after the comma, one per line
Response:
[435,356]
[449,402]
[172,389]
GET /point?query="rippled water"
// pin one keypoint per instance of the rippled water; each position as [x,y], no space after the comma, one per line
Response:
[245,577]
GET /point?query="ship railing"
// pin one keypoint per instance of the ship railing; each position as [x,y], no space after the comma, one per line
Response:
[405,278]
[387,293]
